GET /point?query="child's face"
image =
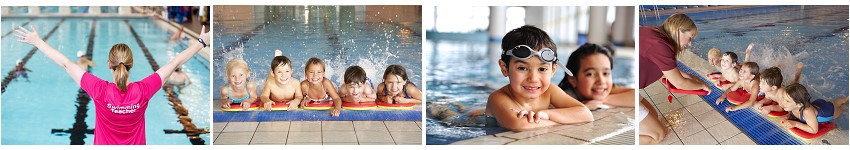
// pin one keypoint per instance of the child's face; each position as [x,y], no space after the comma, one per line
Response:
[315,73]
[357,89]
[238,76]
[394,84]
[531,77]
[282,73]
[726,62]
[594,77]
[713,60]
[766,88]
[745,74]
[786,101]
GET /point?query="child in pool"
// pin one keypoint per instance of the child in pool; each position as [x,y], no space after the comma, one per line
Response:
[240,90]
[179,79]
[21,70]
[770,82]
[84,61]
[280,87]
[748,81]
[529,61]
[319,85]
[355,90]
[714,58]
[397,88]
[592,84]
[807,114]
[729,67]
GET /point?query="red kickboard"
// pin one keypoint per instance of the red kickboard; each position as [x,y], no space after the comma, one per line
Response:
[823,128]
[359,106]
[740,96]
[395,106]
[281,106]
[319,105]
[776,113]
[723,83]
[237,107]
[680,91]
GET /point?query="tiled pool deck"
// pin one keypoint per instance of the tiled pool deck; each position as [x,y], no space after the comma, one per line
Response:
[612,127]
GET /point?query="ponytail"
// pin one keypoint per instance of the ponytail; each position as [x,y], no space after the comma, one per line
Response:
[121,75]
[121,59]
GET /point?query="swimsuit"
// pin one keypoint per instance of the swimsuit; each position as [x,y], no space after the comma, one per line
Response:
[326,98]
[239,100]
[825,111]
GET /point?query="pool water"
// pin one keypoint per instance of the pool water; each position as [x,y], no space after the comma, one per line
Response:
[783,36]
[372,37]
[464,73]
[27,118]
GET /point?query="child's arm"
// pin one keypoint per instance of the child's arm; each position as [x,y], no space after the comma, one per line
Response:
[567,109]
[414,93]
[32,38]
[621,97]
[676,78]
[747,52]
[344,94]
[297,96]
[304,87]
[725,92]
[754,90]
[331,89]
[810,126]
[369,95]
[501,106]
[797,74]
[168,68]
[264,97]
[382,97]
[225,102]
[252,89]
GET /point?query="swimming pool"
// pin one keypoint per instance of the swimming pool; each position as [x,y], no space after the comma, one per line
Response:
[465,73]
[372,37]
[784,35]
[27,118]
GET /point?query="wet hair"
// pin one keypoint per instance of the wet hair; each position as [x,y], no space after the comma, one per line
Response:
[675,24]
[234,63]
[526,35]
[772,76]
[574,62]
[396,70]
[732,55]
[354,74]
[314,61]
[799,95]
[279,60]
[121,59]
[753,66]
[714,52]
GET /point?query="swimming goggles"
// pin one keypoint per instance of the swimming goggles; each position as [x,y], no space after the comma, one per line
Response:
[523,52]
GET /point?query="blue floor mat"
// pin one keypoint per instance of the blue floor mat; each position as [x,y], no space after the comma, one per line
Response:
[309,115]
[758,128]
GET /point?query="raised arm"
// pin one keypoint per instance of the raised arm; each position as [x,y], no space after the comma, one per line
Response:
[32,38]
[798,73]
[181,58]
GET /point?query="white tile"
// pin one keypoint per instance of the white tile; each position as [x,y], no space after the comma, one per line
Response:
[241,127]
[407,137]
[723,131]
[273,126]
[339,137]
[234,138]
[304,137]
[700,138]
[369,126]
[374,137]
[269,138]
[305,126]
[402,126]
[337,126]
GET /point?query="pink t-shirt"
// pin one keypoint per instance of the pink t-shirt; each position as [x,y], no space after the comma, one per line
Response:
[120,116]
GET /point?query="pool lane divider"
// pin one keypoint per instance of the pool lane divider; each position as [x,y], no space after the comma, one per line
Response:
[80,128]
[15,27]
[750,122]
[11,75]
[241,40]
[189,128]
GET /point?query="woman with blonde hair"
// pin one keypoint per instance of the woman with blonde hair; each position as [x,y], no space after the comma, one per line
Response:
[119,106]
[659,46]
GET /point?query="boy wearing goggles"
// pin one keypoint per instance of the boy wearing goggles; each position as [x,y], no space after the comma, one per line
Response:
[529,60]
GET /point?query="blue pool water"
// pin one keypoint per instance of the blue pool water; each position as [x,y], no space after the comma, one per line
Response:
[31,109]
[466,72]
[784,35]
[342,36]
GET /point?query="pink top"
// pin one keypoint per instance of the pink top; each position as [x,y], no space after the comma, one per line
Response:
[120,116]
